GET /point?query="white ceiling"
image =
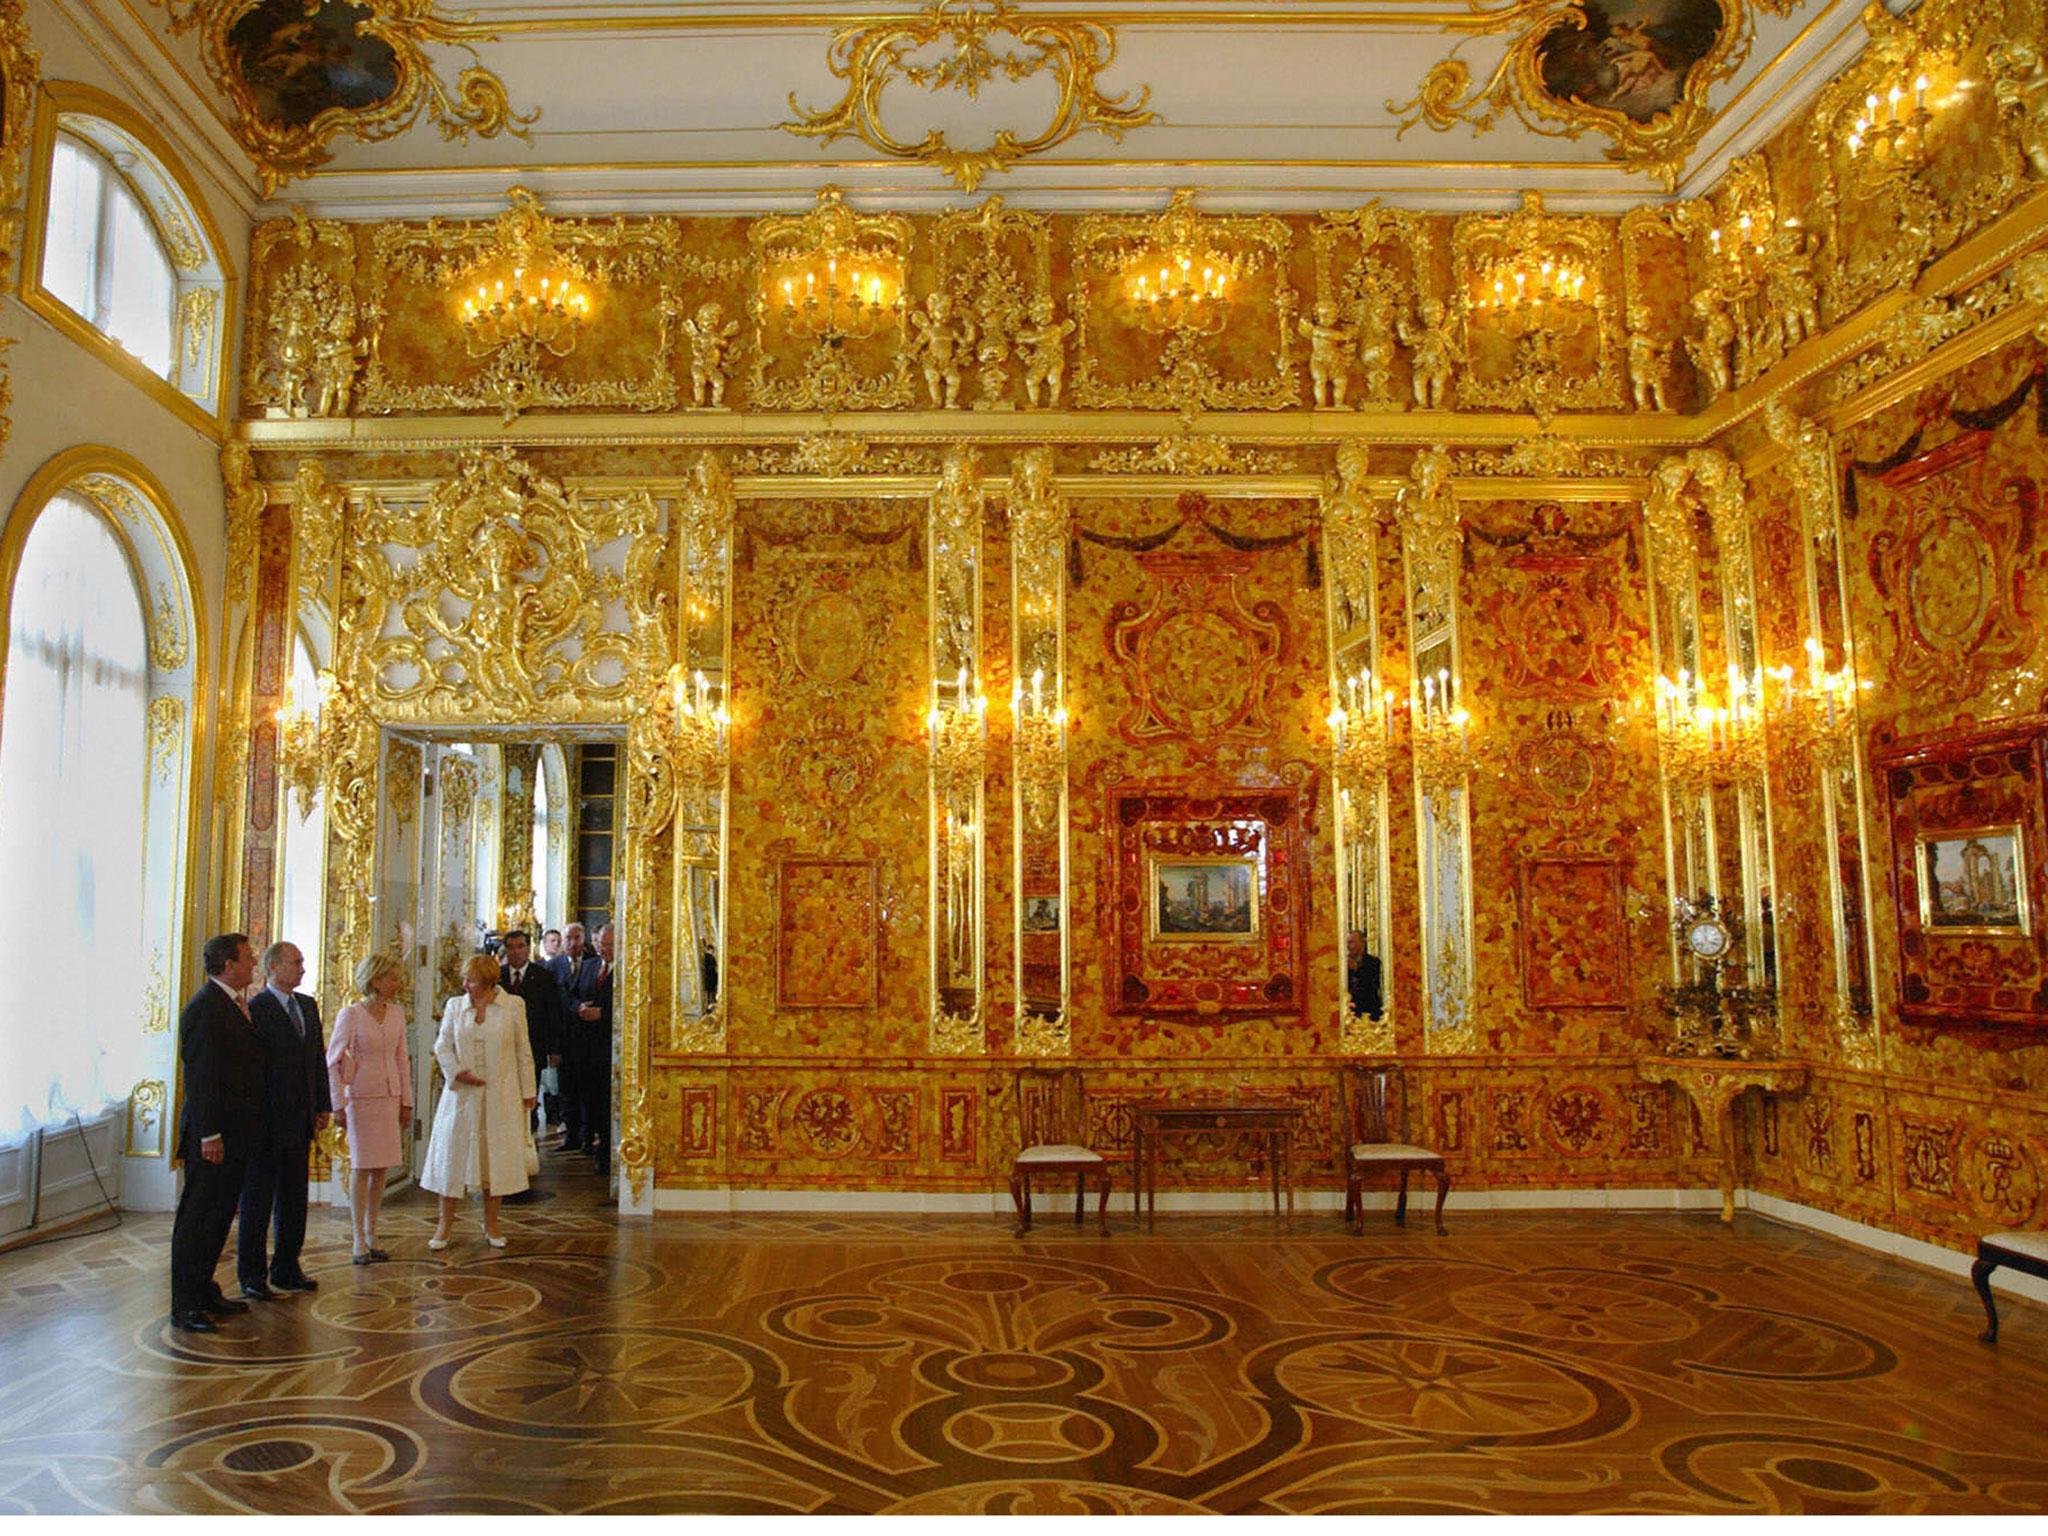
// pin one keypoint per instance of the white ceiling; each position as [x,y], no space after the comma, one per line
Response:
[1278,104]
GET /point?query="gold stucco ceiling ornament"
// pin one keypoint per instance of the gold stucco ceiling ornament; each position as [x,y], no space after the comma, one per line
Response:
[1574,65]
[301,73]
[958,45]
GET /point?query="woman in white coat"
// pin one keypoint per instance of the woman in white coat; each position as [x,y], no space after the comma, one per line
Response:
[480,1137]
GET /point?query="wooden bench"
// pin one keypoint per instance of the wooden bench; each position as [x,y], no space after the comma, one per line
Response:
[2026,1252]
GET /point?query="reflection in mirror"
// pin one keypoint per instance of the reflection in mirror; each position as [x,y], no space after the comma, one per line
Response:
[1038,533]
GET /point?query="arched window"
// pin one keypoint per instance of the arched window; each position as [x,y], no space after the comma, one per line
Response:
[74,772]
[121,254]
[104,258]
[304,865]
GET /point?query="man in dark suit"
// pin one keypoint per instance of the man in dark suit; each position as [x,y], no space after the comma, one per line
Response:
[533,984]
[592,1036]
[575,973]
[223,1082]
[295,1091]
[1362,977]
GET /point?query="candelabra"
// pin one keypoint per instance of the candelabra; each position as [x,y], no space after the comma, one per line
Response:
[1442,735]
[301,746]
[1888,139]
[1819,715]
[699,725]
[833,296]
[1041,730]
[548,311]
[1704,744]
[959,723]
[1181,290]
[1362,730]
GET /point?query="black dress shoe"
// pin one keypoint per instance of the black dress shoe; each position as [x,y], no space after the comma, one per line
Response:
[220,1306]
[193,1322]
[256,1290]
[295,1283]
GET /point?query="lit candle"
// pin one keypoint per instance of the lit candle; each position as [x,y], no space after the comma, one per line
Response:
[1428,698]
[1038,690]
[960,686]
[703,691]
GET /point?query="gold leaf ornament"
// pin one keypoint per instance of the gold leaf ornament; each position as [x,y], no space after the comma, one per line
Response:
[872,57]
[285,147]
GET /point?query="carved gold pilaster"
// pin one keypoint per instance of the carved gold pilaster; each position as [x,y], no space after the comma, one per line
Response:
[958,720]
[1038,537]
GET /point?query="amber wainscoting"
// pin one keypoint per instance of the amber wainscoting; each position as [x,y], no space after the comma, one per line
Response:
[1536,1362]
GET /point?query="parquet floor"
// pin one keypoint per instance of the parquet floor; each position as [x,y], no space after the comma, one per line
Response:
[1554,1362]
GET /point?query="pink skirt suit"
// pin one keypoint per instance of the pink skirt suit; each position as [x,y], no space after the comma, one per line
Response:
[372,1080]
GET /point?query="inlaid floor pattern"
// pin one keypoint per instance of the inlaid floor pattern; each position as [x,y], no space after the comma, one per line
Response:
[1551,1362]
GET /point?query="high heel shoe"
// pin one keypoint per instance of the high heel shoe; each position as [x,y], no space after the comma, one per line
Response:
[436,1244]
[494,1241]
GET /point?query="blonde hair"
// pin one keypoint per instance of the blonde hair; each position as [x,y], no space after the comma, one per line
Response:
[481,967]
[370,967]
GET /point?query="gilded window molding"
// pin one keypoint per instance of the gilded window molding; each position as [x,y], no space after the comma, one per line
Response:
[1655,142]
[872,57]
[391,38]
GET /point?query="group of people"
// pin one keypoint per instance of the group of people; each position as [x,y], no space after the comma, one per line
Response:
[260,1083]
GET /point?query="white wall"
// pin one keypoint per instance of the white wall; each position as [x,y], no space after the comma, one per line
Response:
[64,397]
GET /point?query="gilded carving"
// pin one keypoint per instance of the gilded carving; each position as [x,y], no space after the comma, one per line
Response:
[1560,350]
[1192,453]
[1070,52]
[20,66]
[1200,660]
[1651,108]
[1188,372]
[993,266]
[146,1119]
[166,736]
[857,355]
[502,612]
[169,645]
[402,769]
[301,359]
[395,35]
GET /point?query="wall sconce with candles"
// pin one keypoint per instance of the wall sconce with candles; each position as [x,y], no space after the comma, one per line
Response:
[699,729]
[1705,744]
[1362,728]
[1533,291]
[302,745]
[1889,139]
[834,296]
[1819,713]
[521,291]
[1181,290]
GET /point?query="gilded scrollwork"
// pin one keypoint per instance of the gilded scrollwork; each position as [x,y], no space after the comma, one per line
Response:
[959,741]
[1374,266]
[1563,353]
[1071,52]
[837,363]
[1188,371]
[301,359]
[1192,453]
[403,83]
[993,266]
[1645,132]
[20,65]
[166,736]
[508,608]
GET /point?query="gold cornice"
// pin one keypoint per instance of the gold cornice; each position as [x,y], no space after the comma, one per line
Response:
[482,26]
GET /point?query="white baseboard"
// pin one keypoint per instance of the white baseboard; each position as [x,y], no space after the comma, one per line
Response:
[997,1201]
[1897,1244]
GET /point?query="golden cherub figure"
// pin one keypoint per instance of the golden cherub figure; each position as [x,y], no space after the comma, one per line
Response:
[1376,346]
[939,338]
[1794,293]
[294,343]
[2020,87]
[1329,370]
[1649,361]
[711,337]
[1711,349]
[1430,353]
[1045,361]
[335,354]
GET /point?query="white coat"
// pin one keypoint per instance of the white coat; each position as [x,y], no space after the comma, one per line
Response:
[495,1049]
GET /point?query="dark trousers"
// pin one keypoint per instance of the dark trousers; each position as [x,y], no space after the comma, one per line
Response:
[594,1085]
[275,1182]
[569,1075]
[206,1209]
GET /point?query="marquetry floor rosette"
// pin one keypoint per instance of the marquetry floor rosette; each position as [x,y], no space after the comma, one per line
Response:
[1555,1362]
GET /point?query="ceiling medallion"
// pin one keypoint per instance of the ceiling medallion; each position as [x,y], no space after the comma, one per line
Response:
[1600,64]
[300,73]
[872,57]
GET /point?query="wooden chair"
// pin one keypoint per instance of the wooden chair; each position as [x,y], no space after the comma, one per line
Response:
[1050,1114]
[1379,1144]
[2026,1252]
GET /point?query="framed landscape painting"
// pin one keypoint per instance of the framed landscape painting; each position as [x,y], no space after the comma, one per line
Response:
[1974,880]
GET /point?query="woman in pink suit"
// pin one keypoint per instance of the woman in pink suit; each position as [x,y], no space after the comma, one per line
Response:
[372,1083]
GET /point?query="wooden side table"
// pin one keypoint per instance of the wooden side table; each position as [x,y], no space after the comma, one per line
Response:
[1714,1085]
[1153,1123]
